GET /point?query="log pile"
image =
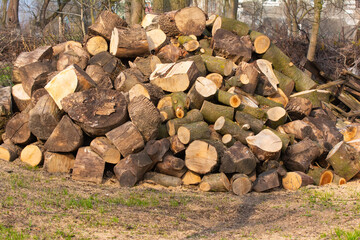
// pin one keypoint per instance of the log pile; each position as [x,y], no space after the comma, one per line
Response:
[181,100]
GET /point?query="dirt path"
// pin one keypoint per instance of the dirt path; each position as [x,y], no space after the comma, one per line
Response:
[36,205]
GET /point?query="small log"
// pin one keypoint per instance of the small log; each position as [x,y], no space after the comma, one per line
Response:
[106,150]
[164,102]
[321,176]
[276,116]
[240,28]
[351,132]
[193,131]
[174,124]
[218,65]
[285,83]
[216,78]
[170,53]
[295,180]
[298,108]
[266,181]
[162,179]
[33,154]
[132,168]
[172,166]
[70,80]
[224,126]
[88,166]
[21,98]
[73,56]
[129,42]
[180,104]
[253,111]
[146,65]
[214,135]
[96,110]
[338,180]
[256,125]
[248,75]
[108,62]
[175,145]
[315,96]
[156,39]
[30,73]
[58,162]
[212,112]
[345,160]
[261,44]
[217,182]
[203,89]
[96,45]
[191,178]
[229,99]
[150,91]
[156,149]
[240,184]
[228,140]
[266,145]
[17,129]
[167,113]
[299,129]
[201,157]
[190,20]
[100,77]
[9,151]
[128,79]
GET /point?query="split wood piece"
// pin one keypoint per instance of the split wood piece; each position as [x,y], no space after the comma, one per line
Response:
[70,80]
[106,150]
[108,62]
[66,137]
[229,99]
[21,98]
[191,178]
[148,90]
[128,79]
[228,140]
[248,75]
[279,97]
[172,166]
[285,83]
[355,143]
[25,58]
[266,181]
[129,42]
[345,160]
[126,138]
[148,20]
[105,23]
[156,39]
[282,63]
[218,65]
[261,44]
[295,180]
[285,139]
[174,124]
[33,154]
[162,179]
[240,184]
[321,176]
[211,19]
[200,65]
[145,116]
[73,56]
[267,84]
[170,53]
[217,182]
[276,116]
[349,100]
[167,113]
[180,104]
[231,46]
[193,131]
[175,145]
[132,168]
[164,102]
[201,157]
[58,162]
[216,78]
[6,101]
[100,77]
[224,126]
[256,125]
[338,180]
[246,98]
[240,28]
[190,20]
[88,166]
[146,65]
[298,108]
[299,156]
[174,77]
[315,96]
[266,145]
[29,76]
[202,89]
[17,128]
[238,159]
[299,129]
[9,151]
[37,95]
[156,149]
[96,110]
[212,112]
[96,45]
[351,132]
[64,46]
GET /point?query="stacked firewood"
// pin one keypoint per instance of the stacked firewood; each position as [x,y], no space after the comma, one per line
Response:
[182,99]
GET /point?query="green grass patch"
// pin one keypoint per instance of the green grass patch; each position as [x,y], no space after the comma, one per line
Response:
[5,76]
[11,234]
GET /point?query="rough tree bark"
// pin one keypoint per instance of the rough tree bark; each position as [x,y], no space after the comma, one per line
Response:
[12,17]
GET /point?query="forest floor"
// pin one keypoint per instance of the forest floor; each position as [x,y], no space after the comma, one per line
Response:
[38,205]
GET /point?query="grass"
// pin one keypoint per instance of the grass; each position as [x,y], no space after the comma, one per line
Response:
[11,234]
[5,76]
[341,234]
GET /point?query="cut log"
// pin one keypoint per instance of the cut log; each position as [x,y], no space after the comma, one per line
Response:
[132,168]
[105,23]
[345,160]
[276,116]
[58,162]
[162,179]
[229,99]
[200,65]
[66,137]
[37,95]
[172,166]
[9,152]
[88,166]
[201,157]
[145,116]
[295,180]
[170,53]
[191,178]
[167,113]
[193,131]
[156,39]
[166,23]
[44,117]
[33,154]
[248,75]
[261,44]
[212,112]
[5,101]
[126,138]
[315,96]
[108,62]
[70,80]
[128,79]
[224,126]
[17,129]
[164,102]
[214,135]
[266,145]
[253,111]
[256,125]
[298,108]
[73,56]
[351,132]
[299,156]
[129,42]
[285,83]
[96,110]
[175,145]
[146,65]
[218,65]
[100,77]
[217,182]
[148,90]
[267,84]
[217,78]
[285,139]
[190,20]
[156,149]
[321,176]
[176,77]
[203,89]
[62,47]
[96,45]
[21,98]
[148,20]
[240,184]
[299,129]
[30,73]
[338,180]
[266,181]
[266,102]
[228,140]
[174,124]
[180,103]
[240,28]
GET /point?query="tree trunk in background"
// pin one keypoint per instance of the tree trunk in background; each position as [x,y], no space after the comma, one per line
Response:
[128,11]
[92,15]
[3,11]
[43,21]
[158,6]
[178,4]
[82,17]
[137,11]
[294,26]
[206,6]
[231,8]
[12,18]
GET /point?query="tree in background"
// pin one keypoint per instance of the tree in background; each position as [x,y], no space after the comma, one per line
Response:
[12,15]
[137,11]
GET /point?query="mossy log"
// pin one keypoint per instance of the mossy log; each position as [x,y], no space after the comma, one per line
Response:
[174,124]
[212,112]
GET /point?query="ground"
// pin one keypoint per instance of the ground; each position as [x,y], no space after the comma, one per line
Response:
[38,205]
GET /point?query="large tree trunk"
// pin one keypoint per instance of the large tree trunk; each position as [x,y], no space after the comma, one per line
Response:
[137,11]
[12,17]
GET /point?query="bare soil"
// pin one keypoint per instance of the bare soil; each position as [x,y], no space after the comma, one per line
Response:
[38,205]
